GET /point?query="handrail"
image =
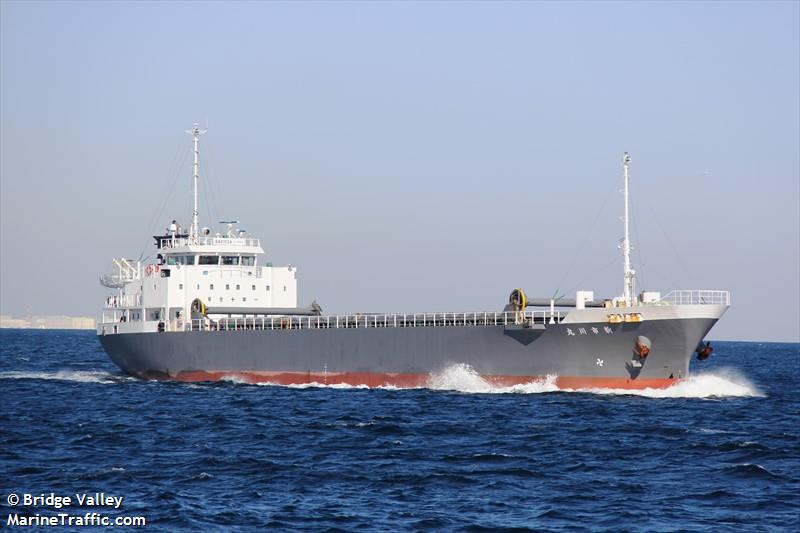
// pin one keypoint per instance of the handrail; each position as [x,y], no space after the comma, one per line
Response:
[123,301]
[174,242]
[407,320]
[697,297]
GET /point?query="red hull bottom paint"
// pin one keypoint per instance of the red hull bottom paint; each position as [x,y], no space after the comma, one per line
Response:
[377,379]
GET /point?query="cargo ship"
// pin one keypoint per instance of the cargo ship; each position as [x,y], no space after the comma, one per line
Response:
[208,307]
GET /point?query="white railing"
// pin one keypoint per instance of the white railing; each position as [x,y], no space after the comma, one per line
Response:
[125,271]
[409,320]
[697,297]
[174,242]
[125,300]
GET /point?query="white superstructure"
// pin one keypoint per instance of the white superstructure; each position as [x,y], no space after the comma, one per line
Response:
[223,271]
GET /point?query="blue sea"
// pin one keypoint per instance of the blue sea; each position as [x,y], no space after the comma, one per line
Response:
[719,452]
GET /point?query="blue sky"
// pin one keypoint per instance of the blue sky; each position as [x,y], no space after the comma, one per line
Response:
[410,156]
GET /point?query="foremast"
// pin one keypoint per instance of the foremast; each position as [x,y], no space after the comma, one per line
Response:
[195,132]
[629,275]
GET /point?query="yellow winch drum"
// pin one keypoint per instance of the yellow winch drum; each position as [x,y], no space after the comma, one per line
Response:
[198,309]
[517,300]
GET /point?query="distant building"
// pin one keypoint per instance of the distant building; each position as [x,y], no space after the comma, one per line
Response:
[47,322]
[7,321]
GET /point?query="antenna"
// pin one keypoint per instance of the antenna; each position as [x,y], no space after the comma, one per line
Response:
[230,224]
[195,132]
[628,274]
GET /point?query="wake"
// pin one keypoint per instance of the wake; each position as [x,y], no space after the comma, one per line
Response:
[722,384]
[77,376]
[463,378]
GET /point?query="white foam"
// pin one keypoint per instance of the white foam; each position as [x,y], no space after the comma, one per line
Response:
[78,376]
[463,378]
[721,384]
[314,385]
[233,378]
[724,383]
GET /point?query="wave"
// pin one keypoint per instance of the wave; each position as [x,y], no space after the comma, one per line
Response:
[460,377]
[463,378]
[78,376]
[314,385]
[723,383]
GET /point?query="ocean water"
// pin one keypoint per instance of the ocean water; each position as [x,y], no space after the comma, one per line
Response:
[719,452]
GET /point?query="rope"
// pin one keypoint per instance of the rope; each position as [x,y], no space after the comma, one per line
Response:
[165,198]
[582,245]
[639,271]
[211,181]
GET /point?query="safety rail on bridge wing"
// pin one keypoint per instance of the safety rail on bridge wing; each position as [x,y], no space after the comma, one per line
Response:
[175,242]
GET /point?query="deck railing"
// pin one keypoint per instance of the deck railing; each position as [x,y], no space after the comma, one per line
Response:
[697,297]
[175,242]
[375,321]
[123,301]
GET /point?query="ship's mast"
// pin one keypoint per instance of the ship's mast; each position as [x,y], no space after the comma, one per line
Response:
[629,274]
[195,132]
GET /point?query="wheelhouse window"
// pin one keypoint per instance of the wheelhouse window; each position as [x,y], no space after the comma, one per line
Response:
[209,259]
[248,260]
[230,259]
[180,259]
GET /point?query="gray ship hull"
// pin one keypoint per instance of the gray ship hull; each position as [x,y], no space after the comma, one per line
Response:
[580,355]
